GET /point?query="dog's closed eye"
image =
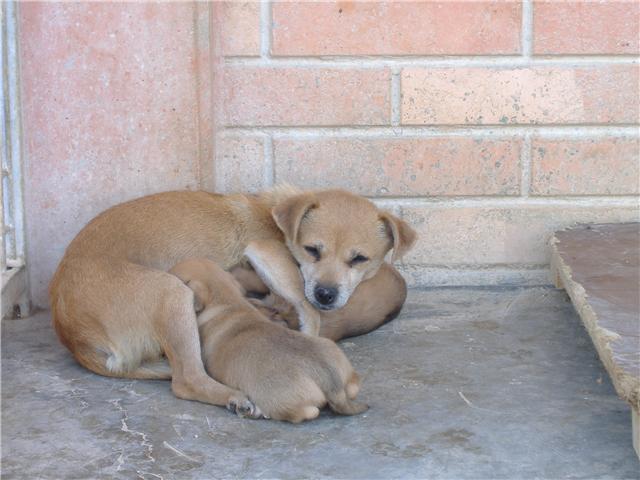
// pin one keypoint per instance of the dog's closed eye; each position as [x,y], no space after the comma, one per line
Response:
[313,251]
[358,259]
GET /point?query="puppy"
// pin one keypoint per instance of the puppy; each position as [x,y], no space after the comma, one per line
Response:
[288,375]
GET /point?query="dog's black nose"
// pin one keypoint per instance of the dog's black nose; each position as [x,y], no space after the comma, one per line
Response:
[325,295]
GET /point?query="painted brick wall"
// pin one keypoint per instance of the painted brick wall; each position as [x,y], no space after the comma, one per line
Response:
[487,125]
[111,96]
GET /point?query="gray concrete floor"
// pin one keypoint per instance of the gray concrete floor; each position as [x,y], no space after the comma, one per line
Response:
[466,383]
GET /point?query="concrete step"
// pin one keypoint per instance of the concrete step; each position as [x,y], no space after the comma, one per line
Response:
[599,266]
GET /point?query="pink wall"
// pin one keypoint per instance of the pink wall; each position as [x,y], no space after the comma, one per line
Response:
[526,125]
[111,107]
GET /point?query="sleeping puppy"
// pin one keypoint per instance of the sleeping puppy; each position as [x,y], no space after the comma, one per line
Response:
[286,374]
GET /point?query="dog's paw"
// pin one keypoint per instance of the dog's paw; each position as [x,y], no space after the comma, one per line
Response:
[243,407]
[310,322]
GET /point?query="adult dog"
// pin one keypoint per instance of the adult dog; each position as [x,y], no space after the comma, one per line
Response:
[118,310]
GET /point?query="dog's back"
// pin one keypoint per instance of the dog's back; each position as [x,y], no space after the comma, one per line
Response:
[289,375]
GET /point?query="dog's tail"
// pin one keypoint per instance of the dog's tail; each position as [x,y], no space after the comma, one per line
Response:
[158,370]
[343,402]
[108,364]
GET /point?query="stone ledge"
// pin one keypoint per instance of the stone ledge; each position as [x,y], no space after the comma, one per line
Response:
[598,266]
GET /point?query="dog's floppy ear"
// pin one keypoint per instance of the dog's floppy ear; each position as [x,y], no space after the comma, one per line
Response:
[200,292]
[290,213]
[401,234]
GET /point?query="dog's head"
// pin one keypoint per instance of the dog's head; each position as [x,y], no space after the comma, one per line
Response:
[339,240]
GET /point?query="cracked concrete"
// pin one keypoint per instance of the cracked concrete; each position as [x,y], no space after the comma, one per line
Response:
[466,383]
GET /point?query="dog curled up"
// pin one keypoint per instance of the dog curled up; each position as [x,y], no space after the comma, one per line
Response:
[118,310]
[287,375]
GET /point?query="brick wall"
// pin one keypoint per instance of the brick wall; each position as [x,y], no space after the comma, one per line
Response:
[487,125]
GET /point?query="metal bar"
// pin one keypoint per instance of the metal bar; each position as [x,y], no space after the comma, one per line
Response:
[11,148]
[3,147]
[15,285]
[15,132]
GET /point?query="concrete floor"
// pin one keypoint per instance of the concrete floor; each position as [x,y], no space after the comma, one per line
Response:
[466,383]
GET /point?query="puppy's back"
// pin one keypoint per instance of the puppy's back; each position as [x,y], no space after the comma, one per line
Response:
[286,372]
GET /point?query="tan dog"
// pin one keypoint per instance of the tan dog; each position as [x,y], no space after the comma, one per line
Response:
[118,310]
[288,375]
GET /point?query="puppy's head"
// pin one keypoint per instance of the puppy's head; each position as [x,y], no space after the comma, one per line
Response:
[211,285]
[339,240]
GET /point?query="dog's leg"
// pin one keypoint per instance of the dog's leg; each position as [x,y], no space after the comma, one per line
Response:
[276,266]
[180,341]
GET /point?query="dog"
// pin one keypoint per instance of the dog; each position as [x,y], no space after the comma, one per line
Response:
[287,375]
[115,307]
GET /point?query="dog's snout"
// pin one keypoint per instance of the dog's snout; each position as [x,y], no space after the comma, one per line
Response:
[325,295]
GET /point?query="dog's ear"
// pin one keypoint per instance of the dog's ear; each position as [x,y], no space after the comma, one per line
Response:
[400,233]
[289,214]
[200,292]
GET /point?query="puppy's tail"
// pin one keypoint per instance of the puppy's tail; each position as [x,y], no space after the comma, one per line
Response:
[341,404]
[342,401]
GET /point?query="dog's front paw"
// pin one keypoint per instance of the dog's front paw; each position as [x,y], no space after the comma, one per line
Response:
[310,321]
[243,407]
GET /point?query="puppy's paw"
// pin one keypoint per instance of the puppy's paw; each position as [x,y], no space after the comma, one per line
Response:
[279,321]
[267,310]
[243,407]
[360,407]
